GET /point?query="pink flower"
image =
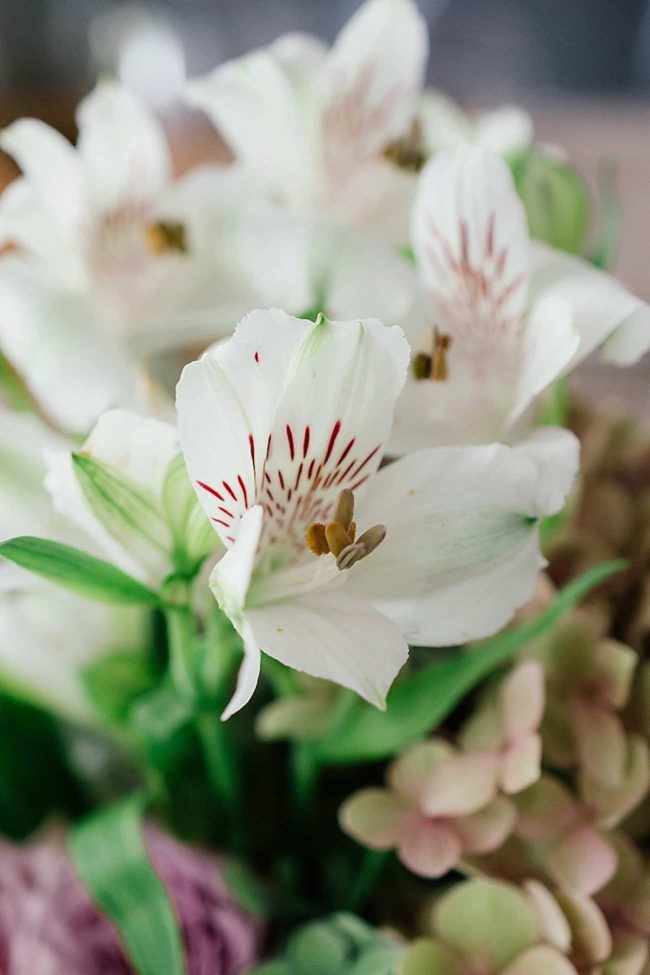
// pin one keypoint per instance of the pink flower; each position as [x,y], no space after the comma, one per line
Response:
[440,804]
[49,925]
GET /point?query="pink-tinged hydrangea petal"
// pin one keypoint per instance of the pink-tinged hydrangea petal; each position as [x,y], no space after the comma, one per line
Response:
[374,817]
[487,829]
[545,809]
[613,666]
[487,921]
[521,764]
[483,729]
[522,700]
[630,954]
[429,848]
[410,773]
[601,744]
[581,860]
[612,805]
[591,937]
[554,927]
[541,960]
[462,785]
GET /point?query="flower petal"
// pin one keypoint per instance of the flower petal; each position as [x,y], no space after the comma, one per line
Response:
[601,744]
[521,764]
[522,699]
[51,166]
[548,344]
[488,920]
[556,455]
[122,147]
[373,75]
[599,305]
[333,636]
[581,860]
[429,848]
[463,784]
[409,774]
[256,105]
[460,534]
[488,828]
[288,413]
[542,960]
[426,957]
[374,817]
[72,365]
[470,238]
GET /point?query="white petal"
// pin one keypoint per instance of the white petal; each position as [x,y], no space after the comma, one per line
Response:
[26,222]
[373,76]
[548,344]
[52,168]
[505,130]
[253,103]
[140,447]
[324,395]
[72,365]
[122,147]
[444,124]
[335,637]
[231,576]
[470,238]
[461,551]
[249,674]
[599,305]
[555,453]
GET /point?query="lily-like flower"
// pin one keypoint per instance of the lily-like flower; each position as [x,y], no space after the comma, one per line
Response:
[444,125]
[502,317]
[315,127]
[107,253]
[283,428]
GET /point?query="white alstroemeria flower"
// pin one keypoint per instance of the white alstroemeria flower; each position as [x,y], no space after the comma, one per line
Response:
[443,125]
[110,254]
[48,635]
[283,428]
[312,126]
[502,316]
[129,529]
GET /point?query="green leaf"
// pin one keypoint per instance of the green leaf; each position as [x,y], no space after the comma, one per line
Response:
[76,570]
[604,251]
[111,859]
[420,702]
[194,537]
[116,681]
[129,514]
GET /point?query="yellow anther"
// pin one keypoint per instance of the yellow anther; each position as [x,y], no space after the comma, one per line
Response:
[433,366]
[337,537]
[166,235]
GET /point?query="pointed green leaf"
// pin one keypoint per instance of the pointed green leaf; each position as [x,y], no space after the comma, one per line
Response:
[131,515]
[417,704]
[109,854]
[76,570]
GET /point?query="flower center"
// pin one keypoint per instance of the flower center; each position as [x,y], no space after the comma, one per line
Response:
[433,365]
[163,236]
[409,152]
[338,536]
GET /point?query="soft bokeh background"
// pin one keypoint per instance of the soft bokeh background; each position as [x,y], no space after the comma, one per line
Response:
[581,67]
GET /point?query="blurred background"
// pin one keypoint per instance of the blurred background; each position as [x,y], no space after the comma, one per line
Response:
[581,67]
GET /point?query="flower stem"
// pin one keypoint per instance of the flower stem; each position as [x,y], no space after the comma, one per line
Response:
[219,758]
[180,637]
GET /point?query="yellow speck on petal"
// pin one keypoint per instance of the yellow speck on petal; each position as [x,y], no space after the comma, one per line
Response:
[166,235]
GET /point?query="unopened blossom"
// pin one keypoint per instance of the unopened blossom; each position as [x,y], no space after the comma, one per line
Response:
[48,635]
[119,489]
[48,922]
[486,927]
[332,565]
[501,317]
[315,127]
[109,254]
[507,723]
[440,804]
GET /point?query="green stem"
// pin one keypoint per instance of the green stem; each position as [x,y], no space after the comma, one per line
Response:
[304,774]
[219,757]
[371,866]
[180,637]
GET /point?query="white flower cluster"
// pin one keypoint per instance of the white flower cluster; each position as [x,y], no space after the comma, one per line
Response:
[420,325]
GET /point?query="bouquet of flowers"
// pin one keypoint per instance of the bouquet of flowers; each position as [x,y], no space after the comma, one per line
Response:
[334,665]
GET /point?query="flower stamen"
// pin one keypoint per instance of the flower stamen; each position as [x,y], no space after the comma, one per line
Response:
[338,536]
[166,235]
[433,366]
